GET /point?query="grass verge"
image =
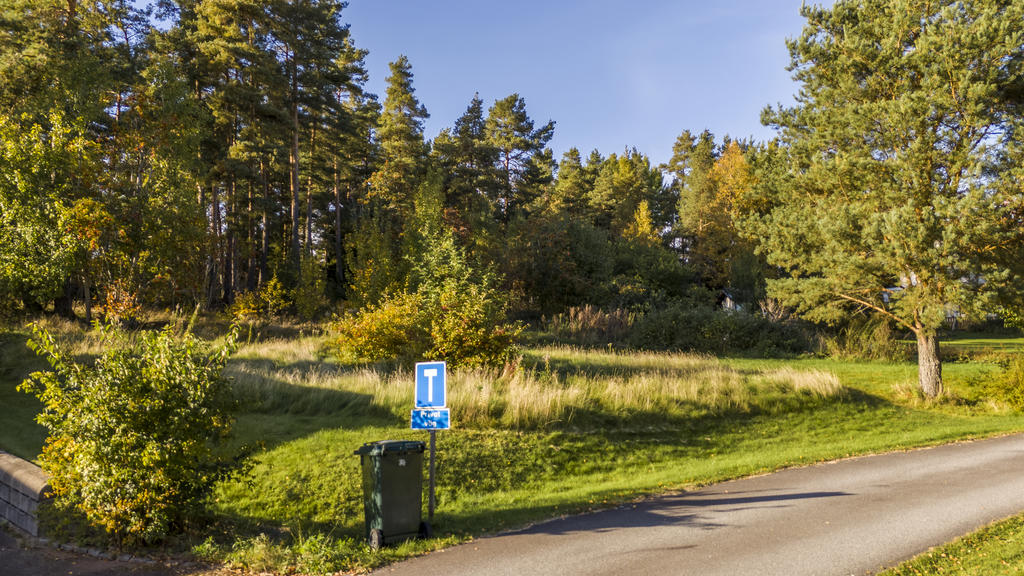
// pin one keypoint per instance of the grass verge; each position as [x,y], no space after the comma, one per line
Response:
[993,550]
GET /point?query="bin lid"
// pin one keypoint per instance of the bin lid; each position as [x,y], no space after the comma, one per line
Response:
[391,447]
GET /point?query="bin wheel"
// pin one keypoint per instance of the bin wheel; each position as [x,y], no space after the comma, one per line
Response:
[426,531]
[376,539]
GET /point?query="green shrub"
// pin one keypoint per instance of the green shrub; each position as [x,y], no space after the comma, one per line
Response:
[136,440]
[258,306]
[468,328]
[688,329]
[1009,386]
[310,295]
[247,308]
[454,313]
[396,329]
[122,305]
[464,326]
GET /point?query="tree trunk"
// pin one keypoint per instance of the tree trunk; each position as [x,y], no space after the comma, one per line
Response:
[213,272]
[264,249]
[264,225]
[339,246]
[62,305]
[929,366]
[228,258]
[308,227]
[293,162]
[87,296]
[293,153]
[251,273]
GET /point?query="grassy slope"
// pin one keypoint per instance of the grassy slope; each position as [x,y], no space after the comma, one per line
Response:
[493,479]
[19,433]
[305,485]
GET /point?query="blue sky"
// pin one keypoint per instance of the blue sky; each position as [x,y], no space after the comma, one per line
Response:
[611,75]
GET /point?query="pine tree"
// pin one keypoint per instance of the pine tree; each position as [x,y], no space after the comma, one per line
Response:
[574,184]
[690,165]
[511,132]
[468,162]
[899,202]
[351,157]
[309,37]
[402,161]
[621,185]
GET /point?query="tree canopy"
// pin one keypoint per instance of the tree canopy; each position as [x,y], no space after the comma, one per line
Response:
[902,198]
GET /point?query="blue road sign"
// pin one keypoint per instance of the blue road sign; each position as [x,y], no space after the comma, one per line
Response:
[431,386]
[431,419]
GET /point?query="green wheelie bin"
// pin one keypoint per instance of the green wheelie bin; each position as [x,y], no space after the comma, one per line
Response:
[392,491]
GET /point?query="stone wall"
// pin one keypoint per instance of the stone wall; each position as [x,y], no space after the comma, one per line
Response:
[22,486]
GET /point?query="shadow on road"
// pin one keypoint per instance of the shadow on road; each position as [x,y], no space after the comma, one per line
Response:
[736,498]
[677,510]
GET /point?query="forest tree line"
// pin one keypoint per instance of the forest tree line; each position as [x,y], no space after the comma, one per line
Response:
[236,143]
[234,150]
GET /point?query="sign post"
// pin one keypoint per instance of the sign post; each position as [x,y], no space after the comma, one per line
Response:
[430,412]
[430,495]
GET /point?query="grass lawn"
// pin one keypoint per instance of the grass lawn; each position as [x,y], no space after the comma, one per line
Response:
[19,433]
[569,432]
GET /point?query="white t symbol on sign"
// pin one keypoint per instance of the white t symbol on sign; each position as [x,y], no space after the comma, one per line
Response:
[429,373]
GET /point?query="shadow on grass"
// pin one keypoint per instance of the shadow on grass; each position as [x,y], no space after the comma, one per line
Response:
[261,391]
[19,432]
[623,365]
[317,479]
[274,411]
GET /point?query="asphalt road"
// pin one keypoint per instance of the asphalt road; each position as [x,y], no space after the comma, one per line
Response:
[854,516]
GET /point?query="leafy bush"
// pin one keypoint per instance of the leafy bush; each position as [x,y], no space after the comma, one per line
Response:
[676,327]
[136,440]
[267,303]
[1012,318]
[311,291]
[1009,386]
[468,328]
[464,327]
[122,304]
[454,314]
[648,274]
[396,329]
[247,307]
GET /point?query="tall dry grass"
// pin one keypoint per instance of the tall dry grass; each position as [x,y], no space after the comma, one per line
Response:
[589,324]
[556,387]
[562,387]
